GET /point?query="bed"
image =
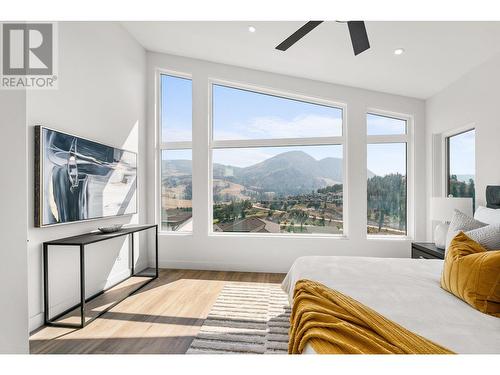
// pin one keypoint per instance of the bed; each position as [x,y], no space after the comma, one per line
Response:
[406,291]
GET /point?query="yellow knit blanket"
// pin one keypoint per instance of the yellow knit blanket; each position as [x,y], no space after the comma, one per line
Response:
[337,324]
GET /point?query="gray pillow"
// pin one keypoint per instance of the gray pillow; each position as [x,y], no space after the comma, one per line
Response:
[488,236]
[461,223]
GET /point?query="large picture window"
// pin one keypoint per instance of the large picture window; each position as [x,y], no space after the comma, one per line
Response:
[175,117]
[387,175]
[277,163]
[461,164]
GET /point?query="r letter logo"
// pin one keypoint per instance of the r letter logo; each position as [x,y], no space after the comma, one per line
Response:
[28,55]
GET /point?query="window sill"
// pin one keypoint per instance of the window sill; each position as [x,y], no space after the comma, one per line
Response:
[172,233]
[279,235]
[388,237]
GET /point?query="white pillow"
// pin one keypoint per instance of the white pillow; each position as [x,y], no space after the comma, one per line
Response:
[487,215]
[488,236]
[461,223]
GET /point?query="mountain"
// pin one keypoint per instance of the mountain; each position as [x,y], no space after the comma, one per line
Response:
[332,168]
[177,167]
[287,173]
[292,172]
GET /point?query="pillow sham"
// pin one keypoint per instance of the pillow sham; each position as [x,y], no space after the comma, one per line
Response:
[488,236]
[487,215]
[461,222]
[473,274]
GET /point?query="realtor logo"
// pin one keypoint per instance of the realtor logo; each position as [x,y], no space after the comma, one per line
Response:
[28,55]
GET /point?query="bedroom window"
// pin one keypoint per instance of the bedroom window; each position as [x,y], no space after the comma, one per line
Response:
[277,163]
[461,164]
[176,186]
[387,175]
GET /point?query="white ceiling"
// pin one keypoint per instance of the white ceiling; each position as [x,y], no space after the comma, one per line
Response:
[437,53]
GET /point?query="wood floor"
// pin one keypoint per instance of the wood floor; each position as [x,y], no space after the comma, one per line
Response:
[163,317]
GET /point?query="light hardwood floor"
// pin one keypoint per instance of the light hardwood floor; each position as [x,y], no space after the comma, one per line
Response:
[163,317]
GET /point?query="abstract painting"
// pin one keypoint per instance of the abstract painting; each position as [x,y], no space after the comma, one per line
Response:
[78,179]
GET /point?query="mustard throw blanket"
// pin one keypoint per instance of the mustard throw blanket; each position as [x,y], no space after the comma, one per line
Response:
[337,324]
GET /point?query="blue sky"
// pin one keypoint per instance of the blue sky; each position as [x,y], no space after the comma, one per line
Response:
[386,158]
[381,125]
[176,154]
[462,153]
[241,114]
[176,110]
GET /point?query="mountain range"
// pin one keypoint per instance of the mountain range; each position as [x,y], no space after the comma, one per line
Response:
[292,172]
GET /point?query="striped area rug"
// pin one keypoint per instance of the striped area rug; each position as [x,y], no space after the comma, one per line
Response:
[247,318]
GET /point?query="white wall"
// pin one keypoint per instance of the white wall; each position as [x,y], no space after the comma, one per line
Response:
[101,96]
[472,100]
[257,253]
[13,227]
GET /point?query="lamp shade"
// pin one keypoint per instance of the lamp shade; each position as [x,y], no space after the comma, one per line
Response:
[442,208]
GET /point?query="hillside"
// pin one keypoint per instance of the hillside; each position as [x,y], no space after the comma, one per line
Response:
[291,172]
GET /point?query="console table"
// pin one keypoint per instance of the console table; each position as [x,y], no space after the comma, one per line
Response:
[81,241]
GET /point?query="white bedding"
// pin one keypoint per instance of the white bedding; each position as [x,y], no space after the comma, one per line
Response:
[406,291]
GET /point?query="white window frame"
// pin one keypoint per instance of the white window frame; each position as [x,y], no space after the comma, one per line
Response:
[167,146]
[445,153]
[410,157]
[278,142]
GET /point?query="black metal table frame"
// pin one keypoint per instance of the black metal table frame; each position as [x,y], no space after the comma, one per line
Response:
[83,322]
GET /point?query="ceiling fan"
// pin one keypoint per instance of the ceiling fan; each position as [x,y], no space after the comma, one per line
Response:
[357,30]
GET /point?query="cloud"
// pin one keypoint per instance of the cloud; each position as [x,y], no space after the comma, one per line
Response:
[381,125]
[267,127]
[275,127]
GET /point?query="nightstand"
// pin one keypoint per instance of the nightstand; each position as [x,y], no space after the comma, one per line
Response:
[426,250]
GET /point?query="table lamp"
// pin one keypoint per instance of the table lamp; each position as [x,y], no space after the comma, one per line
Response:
[442,210]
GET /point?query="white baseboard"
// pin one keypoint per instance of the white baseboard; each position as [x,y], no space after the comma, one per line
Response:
[210,266]
[36,321]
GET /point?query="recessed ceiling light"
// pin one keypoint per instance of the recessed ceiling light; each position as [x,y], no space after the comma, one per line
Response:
[252,29]
[399,51]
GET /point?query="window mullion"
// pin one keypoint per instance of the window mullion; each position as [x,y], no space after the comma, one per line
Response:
[176,145]
[387,138]
[317,141]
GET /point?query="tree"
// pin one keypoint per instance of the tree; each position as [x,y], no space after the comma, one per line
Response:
[387,199]
[337,188]
[188,191]
[301,216]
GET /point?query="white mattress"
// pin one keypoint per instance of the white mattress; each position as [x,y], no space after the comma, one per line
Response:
[406,291]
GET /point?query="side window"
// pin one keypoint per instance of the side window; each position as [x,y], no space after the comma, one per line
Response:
[461,164]
[386,175]
[176,155]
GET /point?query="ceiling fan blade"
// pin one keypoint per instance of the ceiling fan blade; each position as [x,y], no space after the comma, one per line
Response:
[299,34]
[359,37]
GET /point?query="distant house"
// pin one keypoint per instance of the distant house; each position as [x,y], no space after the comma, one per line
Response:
[186,226]
[251,224]
[176,219]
